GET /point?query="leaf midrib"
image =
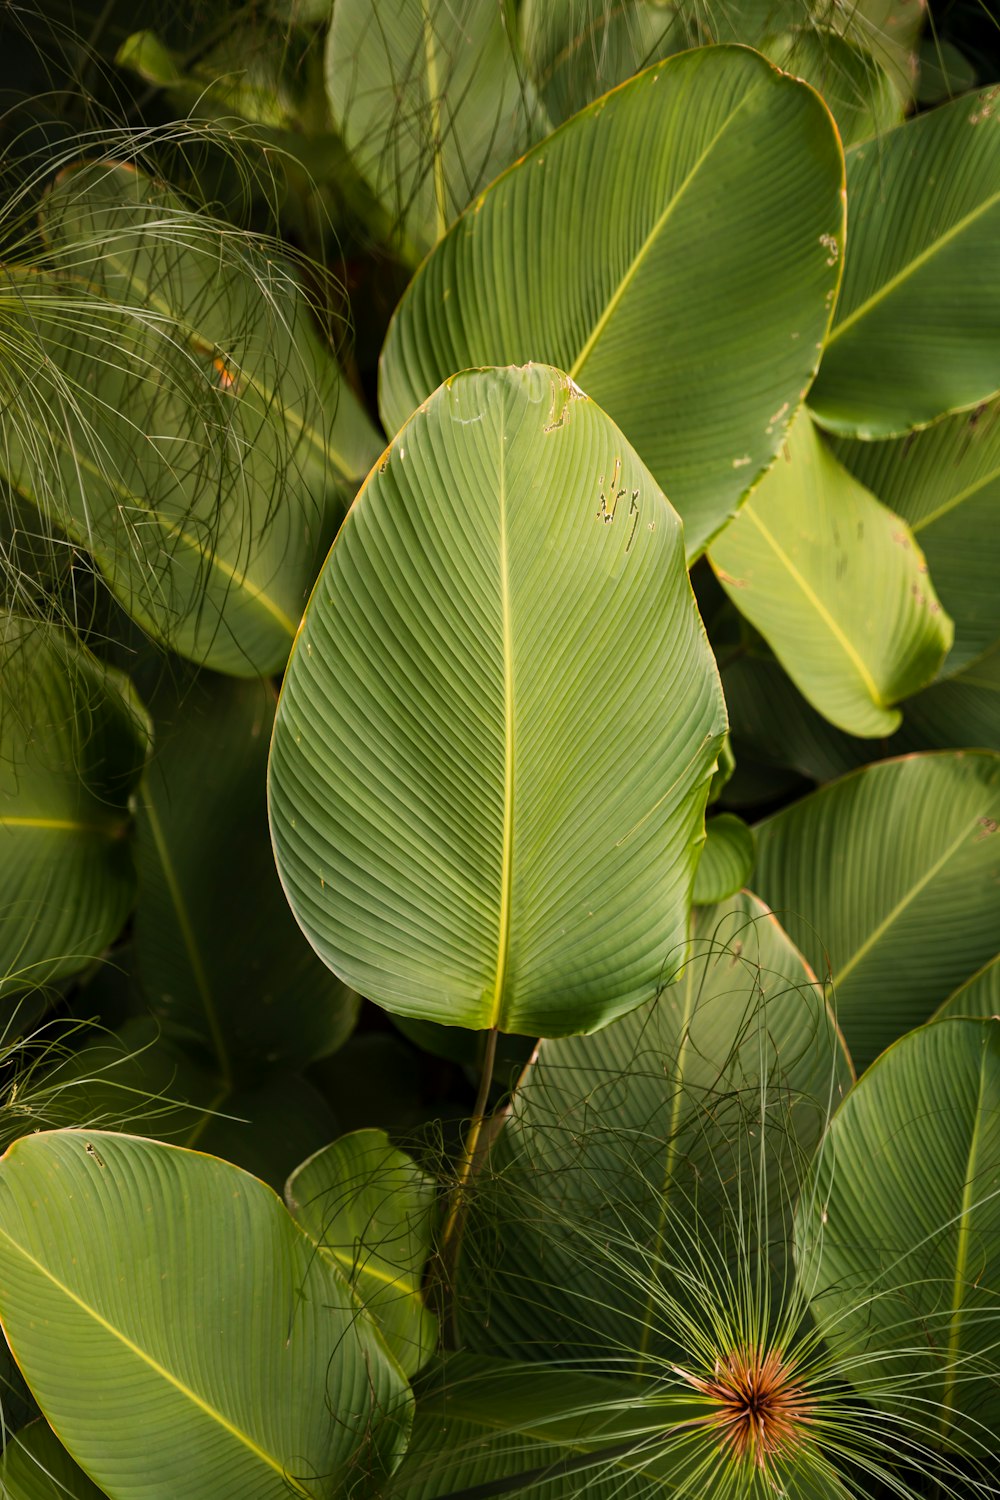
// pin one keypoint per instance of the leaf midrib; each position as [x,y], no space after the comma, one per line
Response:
[903,275]
[635,265]
[83,535]
[507,856]
[154,1364]
[914,891]
[846,645]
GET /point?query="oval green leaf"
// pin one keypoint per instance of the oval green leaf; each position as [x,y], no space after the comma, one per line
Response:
[945,482]
[73,740]
[915,332]
[887,881]
[688,229]
[499,724]
[373,1211]
[899,1239]
[836,585]
[150,1293]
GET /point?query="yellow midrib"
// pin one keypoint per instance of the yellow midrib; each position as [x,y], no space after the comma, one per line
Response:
[67,825]
[910,269]
[212,558]
[846,645]
[507,856]
[955,501]
[651,238]
[158,1369]
[269,396]
[901,905]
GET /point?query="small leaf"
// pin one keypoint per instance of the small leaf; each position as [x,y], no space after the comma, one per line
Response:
[372,1210]
[836,585]
[726,860]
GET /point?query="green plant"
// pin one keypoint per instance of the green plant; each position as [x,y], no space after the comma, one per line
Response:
[690,377]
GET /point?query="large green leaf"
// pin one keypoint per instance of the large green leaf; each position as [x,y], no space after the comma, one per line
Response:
[372,1210]
[168,407]
[887,880]
[500,721]
[493,1428]
[35,1466]
[899,1242]
[676,235]
[179,1330]
[634,1190]
[576,50]
[220,957]
[914,334]
[73,739]
[837,586]
[945,482]
[431,103]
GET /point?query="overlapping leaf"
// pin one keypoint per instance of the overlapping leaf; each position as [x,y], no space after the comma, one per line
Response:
[372,1210]
[230,1360]
[726,860]
[431,103]
[73,740]
[220,958]
[500,721]
[203,468]
[899,1241]
[860,93]
[945,481]
[914,335]
[836,584]
[631,1181]
[675,235]
[888,881]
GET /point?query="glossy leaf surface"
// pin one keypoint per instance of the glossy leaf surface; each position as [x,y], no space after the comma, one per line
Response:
[836,584]
[914,332]
[692,222]
[900,1245]
[372,1210]
[228,1328]
[73,739]
[888,880]
[488,778]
